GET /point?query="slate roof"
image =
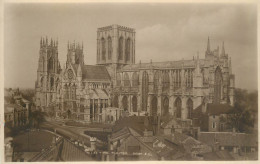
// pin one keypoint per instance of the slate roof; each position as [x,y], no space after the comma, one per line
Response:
[216,109]
[95,73]
[228,138]
[222,155]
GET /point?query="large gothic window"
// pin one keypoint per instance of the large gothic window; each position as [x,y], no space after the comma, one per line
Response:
[177,79]
[115,102]
[125,103]
[178,107]
[50,64]
[218,85]
[145,81]
[52,83]
[165,106]
[189,78]
[165,82]
[127,50]
[156,81]
[135,79]
[126,80]
[134,103]
[73,92]
[118,79]
[154,106]
[120,48]
[190,108]
[42,81]
[103,46]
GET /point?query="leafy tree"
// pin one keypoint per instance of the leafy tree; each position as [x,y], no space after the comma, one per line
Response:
[37,118]
[244,114]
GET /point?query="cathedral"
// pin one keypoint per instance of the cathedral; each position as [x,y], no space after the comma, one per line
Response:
[81,92]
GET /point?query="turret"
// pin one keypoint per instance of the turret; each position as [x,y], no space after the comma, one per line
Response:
[223,50]
[208,46]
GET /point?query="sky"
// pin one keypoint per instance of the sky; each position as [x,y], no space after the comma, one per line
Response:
[164,32]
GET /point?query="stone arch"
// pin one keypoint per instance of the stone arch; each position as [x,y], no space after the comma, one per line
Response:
[115,101]
[178,106]
[134,103]
[165,82]
[127,49]
[154,106]
[125,103]
[50,64]
[103,48]
[190,107]
[120,48]
[109,40]
[145,90]
[126,80]
[218,85]
[165,106]
[156,81]
[135,79]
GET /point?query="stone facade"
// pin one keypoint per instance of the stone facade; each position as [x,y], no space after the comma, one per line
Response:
[156,88]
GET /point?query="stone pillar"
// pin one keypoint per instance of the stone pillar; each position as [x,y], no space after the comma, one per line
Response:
[159,104]
[149,104]
[98,110]
[129,103]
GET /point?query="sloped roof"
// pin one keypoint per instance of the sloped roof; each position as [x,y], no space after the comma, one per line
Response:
[216,109]
[95,73]
[217,156]
[228,138]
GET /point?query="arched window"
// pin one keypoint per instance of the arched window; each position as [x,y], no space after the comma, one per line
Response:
[115,102]
[134,103]
[178,107]
[145,90]
[127,50]
[126,80]
[165,106]
[118,79]
[156,81]
[109,40]
[154,106]
[103,46]
[190,108]
[120,48]
[42,81]
[218,85]
[165,82]
[52,83]
[135,79]
[125,103]
[50,64]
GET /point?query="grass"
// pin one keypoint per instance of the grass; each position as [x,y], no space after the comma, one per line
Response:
[33,141]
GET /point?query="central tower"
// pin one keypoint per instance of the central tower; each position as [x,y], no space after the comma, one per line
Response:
[115,45]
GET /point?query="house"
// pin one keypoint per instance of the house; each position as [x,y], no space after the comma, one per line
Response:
[213,118]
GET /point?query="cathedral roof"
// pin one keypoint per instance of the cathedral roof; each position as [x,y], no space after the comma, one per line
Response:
[167,64]
[95,73]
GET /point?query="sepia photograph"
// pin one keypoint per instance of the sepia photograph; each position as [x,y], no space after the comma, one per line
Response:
[130,82]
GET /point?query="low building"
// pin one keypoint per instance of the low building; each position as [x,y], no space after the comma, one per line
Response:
[236,143]
[213,118]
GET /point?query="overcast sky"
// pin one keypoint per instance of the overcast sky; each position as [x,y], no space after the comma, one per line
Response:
[163,32]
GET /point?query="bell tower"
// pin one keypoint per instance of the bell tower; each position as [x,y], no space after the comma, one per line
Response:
[115,45]
[47,73]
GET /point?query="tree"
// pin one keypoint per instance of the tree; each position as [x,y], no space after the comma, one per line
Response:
[37,117]
[244,114]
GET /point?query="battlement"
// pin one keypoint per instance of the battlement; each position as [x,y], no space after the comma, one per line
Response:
[116,26]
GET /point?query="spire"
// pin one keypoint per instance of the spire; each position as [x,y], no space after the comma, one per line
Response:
[57,42]
[223,49]
[68,45]
[82,45]
[208,46]
[46,41]
[41,41]
[51,42]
